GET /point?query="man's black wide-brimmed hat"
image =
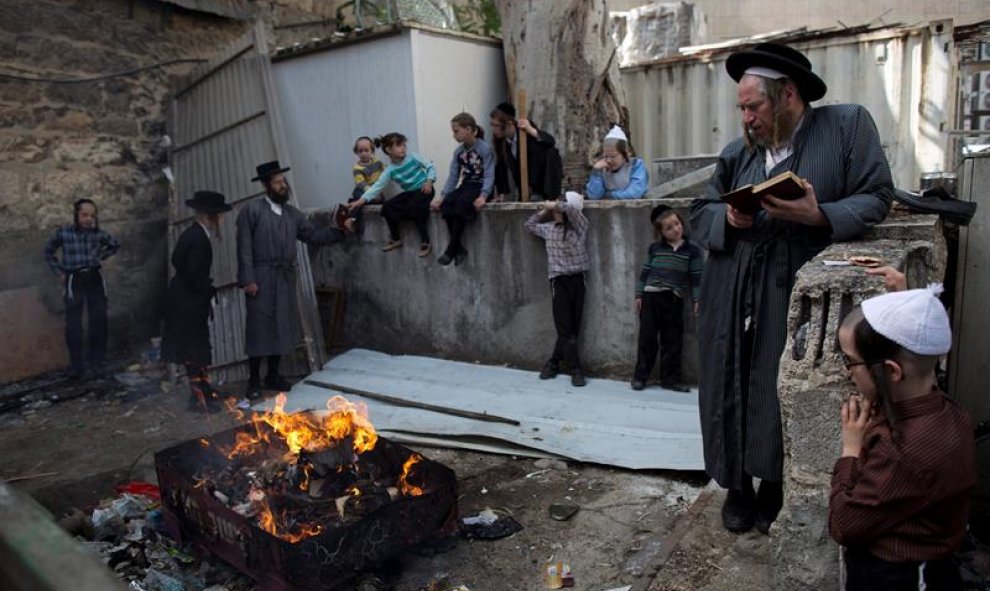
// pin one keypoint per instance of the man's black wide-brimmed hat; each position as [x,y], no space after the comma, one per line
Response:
[208,202]
[785,60]
[268,169]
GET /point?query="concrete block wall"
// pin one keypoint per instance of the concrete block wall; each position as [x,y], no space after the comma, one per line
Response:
[495,308]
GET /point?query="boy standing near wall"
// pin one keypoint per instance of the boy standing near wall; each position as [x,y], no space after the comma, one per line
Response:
[84,246]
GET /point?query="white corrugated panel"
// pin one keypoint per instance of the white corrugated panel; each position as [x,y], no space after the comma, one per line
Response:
[687,106]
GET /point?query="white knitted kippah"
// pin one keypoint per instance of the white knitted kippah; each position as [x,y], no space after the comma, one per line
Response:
[575,200]
[914,319]
[616,133]
[765,72]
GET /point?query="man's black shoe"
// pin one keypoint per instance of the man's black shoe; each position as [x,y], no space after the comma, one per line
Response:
[550,370]
[738,511]
[676,387]
[577,378]
[638,384]
[277,383]
[769,500]
[460,256]
[253,391]
[445,259]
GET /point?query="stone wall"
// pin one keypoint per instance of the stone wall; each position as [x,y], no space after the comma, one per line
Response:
[495,308]
[813,382]
[100,139]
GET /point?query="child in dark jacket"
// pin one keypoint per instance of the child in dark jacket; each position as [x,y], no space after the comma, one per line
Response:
[84,248]
[900,491]
[671,273]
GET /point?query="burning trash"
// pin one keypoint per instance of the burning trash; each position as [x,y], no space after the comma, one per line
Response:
[305,499]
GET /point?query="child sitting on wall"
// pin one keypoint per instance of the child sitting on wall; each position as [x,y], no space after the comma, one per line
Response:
[415,176]
[615,175]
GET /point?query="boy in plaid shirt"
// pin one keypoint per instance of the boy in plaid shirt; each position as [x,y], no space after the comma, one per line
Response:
[565,230]
[84,246]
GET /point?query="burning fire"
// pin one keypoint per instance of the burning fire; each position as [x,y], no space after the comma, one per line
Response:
[304,432]
[318,452]
[404,485]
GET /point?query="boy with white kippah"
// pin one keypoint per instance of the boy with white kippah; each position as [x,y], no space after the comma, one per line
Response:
[615,175]
[900,492]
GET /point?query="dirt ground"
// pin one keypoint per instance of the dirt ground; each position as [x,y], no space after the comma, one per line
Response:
[74,452]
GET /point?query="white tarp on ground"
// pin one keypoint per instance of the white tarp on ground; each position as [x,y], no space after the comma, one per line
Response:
[604,423]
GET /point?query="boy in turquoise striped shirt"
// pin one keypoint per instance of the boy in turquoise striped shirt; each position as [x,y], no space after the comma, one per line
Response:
[415,176]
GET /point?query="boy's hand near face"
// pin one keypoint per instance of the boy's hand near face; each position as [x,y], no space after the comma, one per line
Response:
[855,420]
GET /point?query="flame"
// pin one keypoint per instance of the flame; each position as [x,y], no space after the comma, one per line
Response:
[267,522]
[404,485]
[305,432]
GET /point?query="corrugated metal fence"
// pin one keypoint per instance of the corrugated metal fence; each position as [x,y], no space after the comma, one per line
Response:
[223,122]
[687,105]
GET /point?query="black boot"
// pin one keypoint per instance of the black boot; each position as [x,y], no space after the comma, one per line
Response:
[769,500]
[550,370]
[739,508]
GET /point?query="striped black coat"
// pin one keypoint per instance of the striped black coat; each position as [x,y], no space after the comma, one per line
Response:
[749,275]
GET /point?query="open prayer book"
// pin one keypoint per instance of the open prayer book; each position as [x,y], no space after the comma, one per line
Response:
[746,199]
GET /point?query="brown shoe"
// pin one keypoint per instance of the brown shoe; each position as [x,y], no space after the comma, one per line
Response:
[391,245]
[424,249]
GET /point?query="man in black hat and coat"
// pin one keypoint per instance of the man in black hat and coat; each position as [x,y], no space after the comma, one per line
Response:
[546,169]
[753,259]
[186,338]
[267,231]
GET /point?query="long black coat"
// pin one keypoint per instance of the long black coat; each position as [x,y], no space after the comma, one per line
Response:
[747,282]
[187,310]
[546,170]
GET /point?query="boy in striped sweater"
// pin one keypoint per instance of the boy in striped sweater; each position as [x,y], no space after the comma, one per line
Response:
[671,273]
[415,177]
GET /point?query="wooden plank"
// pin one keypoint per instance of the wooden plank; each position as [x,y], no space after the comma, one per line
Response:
[478,416]
[522,136]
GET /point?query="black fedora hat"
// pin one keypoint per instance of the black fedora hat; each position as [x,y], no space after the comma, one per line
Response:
[208,202]
[268,169]
[785,60]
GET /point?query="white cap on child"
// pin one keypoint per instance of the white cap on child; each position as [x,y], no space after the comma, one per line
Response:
[616,134]
[914,319]
[575,200]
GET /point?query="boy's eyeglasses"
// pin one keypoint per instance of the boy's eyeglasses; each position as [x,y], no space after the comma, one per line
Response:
[851,364]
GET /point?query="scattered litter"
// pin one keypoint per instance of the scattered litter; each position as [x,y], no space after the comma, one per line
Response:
[138,487]
[489,525]
[563,511]
[558,575]
[626,588]
[537,473]
[156,580]
[486,517]
[244,404]
[828,263]
[484,491]
[131,379]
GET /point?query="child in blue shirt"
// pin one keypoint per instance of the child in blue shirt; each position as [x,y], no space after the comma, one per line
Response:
[615,175]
